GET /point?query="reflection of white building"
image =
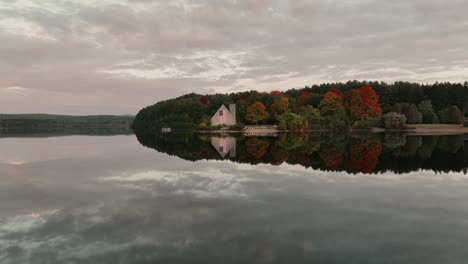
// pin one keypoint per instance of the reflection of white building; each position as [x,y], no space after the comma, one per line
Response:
[224,145]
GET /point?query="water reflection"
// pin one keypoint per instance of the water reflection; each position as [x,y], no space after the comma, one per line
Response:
[359,152]
[108,200]
[225,145]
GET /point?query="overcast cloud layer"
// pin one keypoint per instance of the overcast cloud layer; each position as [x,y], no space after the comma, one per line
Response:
[115,56]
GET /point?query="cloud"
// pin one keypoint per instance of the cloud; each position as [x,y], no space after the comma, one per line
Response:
[127,54]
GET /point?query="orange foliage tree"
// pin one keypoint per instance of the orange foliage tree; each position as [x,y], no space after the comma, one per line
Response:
[280,106]
[257,147]
[332,100]
[256,113]
[363,103]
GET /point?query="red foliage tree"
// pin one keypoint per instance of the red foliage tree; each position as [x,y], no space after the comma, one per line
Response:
[363,103]
[205,101]
[336,91]
[302,99]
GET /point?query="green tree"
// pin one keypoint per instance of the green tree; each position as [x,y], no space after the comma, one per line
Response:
[312,117]
[337,120]
[451,115]
[428,114]
[291,121]
[413,116]
[394,120]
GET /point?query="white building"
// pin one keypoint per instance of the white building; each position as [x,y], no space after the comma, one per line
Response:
[224,116]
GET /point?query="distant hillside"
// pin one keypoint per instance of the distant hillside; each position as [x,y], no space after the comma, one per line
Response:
[9,122]
[65,117]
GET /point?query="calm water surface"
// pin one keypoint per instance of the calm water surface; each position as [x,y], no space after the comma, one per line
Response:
[81,199]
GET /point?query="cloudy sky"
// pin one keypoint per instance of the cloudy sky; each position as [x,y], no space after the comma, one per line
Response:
[115,56]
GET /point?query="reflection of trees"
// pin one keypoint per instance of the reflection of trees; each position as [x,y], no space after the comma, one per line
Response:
[257,147]
[291,141]
[427,147]
[312,143]
[332,150]
[327,151]
[364,155]
[394,140]
[332,158]
[451,144]
[413,143]
[278,154]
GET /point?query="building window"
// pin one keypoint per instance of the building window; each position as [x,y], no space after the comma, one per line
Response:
[221,149]
[221,113]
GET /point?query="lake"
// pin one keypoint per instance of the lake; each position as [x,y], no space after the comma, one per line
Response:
[190,198]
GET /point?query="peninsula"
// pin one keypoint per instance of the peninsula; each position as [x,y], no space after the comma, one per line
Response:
[331,106]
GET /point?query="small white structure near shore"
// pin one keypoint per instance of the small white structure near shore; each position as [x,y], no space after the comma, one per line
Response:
[224,116]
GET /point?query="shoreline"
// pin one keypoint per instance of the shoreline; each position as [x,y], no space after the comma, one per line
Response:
[410,131]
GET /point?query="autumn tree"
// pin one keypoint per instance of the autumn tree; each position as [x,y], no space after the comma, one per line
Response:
[280,106]
[330,102]
[332,111]
[205,101]
[363,103]
[277,93]
[256,113]
[303,98]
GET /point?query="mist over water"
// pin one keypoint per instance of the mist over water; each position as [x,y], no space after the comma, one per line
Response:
[288,199]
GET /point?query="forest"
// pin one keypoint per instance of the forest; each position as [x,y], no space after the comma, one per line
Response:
[329,106]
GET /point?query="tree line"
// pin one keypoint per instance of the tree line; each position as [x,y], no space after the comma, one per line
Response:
[38,122]
[331,106]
